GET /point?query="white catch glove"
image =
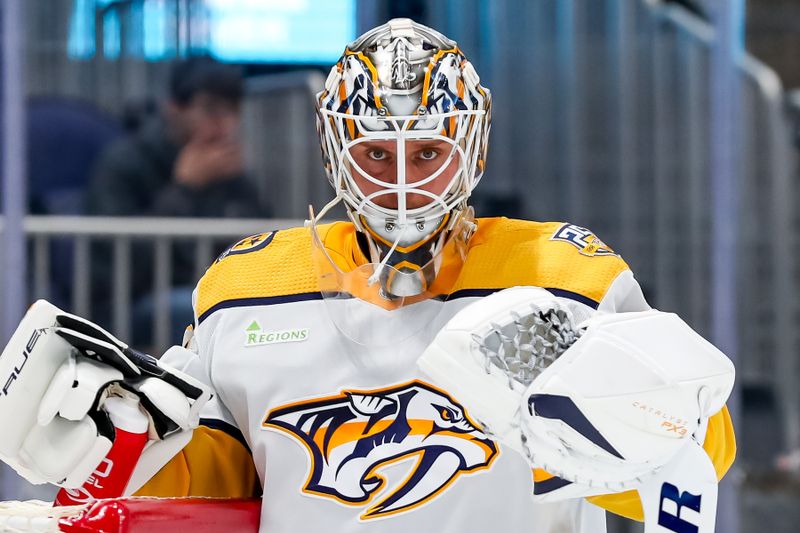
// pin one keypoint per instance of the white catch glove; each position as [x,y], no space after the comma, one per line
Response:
[601,405]
[58,370]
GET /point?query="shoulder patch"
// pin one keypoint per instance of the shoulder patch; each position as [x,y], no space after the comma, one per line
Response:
[583,239]
[507,253]
[249,244]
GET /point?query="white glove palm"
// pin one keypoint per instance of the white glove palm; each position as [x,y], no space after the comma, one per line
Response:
[601,404]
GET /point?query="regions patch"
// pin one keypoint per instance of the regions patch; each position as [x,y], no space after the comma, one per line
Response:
[583,239]
[255,335]
[354,436]
[248,244]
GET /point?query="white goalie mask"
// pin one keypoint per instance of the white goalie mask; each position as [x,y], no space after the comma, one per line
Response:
[403,124]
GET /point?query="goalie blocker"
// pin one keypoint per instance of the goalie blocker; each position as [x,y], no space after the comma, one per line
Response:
[622,404]
[57,373]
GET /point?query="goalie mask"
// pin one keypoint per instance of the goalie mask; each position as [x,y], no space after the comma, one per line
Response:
[403,123]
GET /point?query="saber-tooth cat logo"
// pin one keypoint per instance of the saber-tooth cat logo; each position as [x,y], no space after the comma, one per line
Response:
[353,438]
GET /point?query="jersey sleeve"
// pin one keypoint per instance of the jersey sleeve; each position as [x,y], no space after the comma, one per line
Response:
[217,462]
[624,295]
[213,464]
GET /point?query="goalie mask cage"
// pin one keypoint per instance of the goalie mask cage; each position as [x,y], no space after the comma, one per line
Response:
[134,515]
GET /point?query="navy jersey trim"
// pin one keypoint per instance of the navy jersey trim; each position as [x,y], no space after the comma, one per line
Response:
[228,429]
[310,296]
[264,300]
[574,296]
[470,293]
[561,293]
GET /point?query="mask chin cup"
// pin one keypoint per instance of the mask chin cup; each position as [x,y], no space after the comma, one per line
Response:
[401,284]
[396,304]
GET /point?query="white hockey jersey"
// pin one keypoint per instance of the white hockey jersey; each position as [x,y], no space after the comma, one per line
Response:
[346,437]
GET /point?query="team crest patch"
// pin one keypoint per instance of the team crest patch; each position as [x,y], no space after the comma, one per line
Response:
[255,335]
[248,244]
[583,239]
[352,436]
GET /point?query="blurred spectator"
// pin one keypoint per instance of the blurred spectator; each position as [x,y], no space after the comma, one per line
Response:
[185,161]
[188,160]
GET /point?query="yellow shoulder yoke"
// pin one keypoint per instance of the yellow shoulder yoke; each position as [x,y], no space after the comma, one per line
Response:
[502,253]
[555,255]
[260,266]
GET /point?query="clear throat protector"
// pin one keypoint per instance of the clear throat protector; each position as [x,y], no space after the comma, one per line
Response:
[382,302]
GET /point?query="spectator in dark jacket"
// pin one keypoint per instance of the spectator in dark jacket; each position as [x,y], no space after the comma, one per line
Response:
[186,162]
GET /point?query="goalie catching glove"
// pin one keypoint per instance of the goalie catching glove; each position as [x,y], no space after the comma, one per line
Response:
[602,405]
[57,372]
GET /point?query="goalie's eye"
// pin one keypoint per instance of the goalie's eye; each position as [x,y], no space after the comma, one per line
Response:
[377,154]
[428,154]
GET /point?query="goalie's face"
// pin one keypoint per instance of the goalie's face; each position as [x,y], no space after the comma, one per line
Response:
[408,175]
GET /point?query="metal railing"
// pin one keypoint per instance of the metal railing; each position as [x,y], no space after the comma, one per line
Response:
[121,235]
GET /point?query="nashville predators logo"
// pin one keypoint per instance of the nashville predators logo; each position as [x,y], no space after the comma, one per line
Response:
[354,436]
[249,244]
[583,239]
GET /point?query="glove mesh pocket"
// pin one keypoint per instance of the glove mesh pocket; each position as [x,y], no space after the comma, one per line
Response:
[527,344]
